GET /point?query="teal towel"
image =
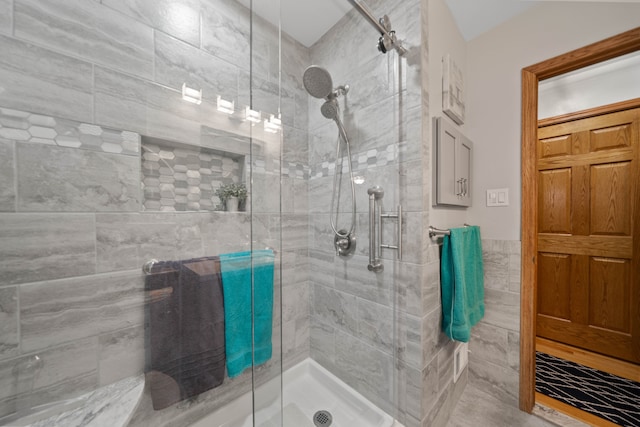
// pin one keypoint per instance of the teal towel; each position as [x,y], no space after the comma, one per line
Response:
[236,269]
[462,281]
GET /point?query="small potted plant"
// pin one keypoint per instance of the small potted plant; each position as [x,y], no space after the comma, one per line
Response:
[232,195]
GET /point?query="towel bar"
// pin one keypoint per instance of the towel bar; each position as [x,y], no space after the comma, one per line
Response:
[147,266]
[434,232]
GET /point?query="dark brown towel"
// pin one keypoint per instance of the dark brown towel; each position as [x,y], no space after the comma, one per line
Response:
[186,330]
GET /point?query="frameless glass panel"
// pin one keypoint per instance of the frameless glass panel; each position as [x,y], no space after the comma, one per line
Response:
[350,123]
[122,143]
[269,253]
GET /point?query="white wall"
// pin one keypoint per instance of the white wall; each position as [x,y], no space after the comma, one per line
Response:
[444,38]
[494,63]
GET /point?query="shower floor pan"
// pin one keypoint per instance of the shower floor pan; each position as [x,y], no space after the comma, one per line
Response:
[308,388]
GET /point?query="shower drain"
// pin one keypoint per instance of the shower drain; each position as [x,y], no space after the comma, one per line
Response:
[322,419]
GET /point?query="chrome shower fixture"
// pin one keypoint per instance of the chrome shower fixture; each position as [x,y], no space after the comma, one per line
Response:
[330,109]
[317,81]
[388,39]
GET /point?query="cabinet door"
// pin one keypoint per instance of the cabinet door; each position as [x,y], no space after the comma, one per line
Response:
[452,166]
[463,171]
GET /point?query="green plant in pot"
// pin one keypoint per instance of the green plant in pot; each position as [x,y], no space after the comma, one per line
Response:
[231,195]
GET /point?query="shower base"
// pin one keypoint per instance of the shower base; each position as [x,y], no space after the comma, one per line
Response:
[308,388]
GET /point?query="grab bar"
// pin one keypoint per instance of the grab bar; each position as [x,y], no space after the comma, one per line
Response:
[375,239]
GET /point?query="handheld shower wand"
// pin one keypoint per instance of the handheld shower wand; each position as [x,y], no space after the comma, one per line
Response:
[319,84]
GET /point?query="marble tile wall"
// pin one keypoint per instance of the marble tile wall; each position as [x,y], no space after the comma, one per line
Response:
[6,14]
[78,28]
[495,341]
[351,308]
[81,82]
[7,176]
[42,81]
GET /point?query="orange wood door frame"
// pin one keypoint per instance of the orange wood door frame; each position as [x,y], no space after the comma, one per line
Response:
[612,47]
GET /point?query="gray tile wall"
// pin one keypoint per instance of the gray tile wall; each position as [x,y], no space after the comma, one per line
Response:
[495,341]
[6,13]
[41,81]
[104,79]
[384,114]
[81,82]
[79,28]
[7,176]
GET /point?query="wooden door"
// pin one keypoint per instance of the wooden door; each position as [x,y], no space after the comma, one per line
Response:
[588,285]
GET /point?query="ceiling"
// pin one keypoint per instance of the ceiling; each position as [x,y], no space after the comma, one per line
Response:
[308,20]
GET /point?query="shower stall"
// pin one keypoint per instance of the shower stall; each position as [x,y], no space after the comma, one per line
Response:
[126,125]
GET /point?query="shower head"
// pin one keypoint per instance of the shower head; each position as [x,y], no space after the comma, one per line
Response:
[317,81]
[330,109]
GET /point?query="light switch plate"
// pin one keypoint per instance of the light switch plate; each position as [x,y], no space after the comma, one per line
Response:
[498,197]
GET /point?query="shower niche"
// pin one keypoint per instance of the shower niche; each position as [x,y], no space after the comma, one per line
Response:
[178,176]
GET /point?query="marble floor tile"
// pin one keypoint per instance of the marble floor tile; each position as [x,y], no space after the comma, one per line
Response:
[477,408]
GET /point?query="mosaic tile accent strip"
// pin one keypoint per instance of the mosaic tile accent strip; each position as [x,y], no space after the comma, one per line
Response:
[361,161]
[182,178]
[27,127]
[272,167]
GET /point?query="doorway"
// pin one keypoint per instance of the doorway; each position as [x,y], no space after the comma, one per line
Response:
[610,48]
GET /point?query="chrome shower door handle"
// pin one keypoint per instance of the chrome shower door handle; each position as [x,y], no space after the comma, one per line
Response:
[398,246]
[375,193]
[399,233]
[375,239]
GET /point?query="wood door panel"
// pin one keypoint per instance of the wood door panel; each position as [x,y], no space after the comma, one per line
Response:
[605,121]
[609,294]
[611,137]
[554,203]
[588,234]
[602,341]
[604,246]
[580,289]
[556,146]
[617,155]
[581,200]
[554,292]
[610,199]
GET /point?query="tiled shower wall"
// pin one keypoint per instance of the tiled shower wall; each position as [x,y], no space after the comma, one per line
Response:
[404,363]
[81,82]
